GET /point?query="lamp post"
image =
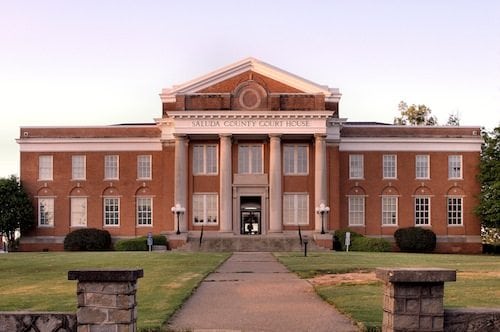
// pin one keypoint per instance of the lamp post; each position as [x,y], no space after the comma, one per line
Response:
[322,209]
[178,210]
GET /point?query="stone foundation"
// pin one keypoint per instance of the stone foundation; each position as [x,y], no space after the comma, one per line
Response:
[37,321]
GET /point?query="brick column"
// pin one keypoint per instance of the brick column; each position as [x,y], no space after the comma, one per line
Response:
[106,299]
[413,298]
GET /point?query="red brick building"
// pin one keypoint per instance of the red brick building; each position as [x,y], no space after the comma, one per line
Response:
[252,150]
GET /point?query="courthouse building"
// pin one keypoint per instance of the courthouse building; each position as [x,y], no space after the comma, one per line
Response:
[251,150]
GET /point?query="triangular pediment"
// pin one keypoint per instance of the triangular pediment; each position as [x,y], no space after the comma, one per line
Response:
[249,65]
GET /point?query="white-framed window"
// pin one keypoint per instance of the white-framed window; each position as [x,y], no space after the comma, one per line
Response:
[78,212]
[250,159]
[46,211]
[422,210]
[144,167]
[205,209]
[455,167]
[45,168]
[422,166]
[455,210]
[78,168]
[205,159]
[111,165]
[389,210]
[111,211]
[295,159]
[389,167]
[356,166]
[144,211]
[356,210]
[295,209]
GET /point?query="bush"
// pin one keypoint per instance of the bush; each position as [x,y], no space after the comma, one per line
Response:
[370,244]
[87,239]
[415,239]
[340,238]
[489,248]
[139,243]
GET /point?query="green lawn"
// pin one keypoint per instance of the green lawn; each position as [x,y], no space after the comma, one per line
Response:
[477,285]
[39,281]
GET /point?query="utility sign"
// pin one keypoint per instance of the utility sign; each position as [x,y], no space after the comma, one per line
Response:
[347,240]
[150,241]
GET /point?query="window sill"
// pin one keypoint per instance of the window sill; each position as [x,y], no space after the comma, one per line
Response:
[143,226]
[391,225]
[45,226]
[453,225]
[111,226]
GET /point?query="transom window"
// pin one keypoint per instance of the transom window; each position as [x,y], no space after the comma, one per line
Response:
[205,209]
[144,211]
[389,210]
[389,166]
[422,166]
[45,168]
[46,211]
[204,159]
[111,211]
[78,211]
[250,159]
[78,171]
[295,159]
[455,206]
[356,210]
[111,167]
[296,209]
[422,210]
[455,167]
[356,166]
[144,167]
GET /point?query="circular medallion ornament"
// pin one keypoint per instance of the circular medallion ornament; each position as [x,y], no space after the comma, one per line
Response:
[249,99]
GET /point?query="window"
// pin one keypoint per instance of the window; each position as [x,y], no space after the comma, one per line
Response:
[455,205]
[389,210]
[204,159]
[296,209]
[205,209]
[144,167]
[455,167]
[78,168]
[422,210]
[356,210]
[422,166]
[389,166]
[46,211]
[45,168]
[356,166]
[295,159]
[250,159]
[111,211]
[78,212]
[111,167]
[144,211]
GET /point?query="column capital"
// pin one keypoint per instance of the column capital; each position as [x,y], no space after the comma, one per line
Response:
[320,136]
[225,135]
[180,136]
[275,135]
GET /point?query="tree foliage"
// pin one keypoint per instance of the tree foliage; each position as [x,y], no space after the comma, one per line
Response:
[16,211]
[453,119]
[489,177]
[415,115]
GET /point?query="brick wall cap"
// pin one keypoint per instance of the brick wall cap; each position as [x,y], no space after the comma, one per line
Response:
[416,274]
[122,275]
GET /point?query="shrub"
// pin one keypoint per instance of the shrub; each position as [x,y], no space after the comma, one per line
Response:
[340,238]
[139,243]
[361,243]
[415,239]
[87,239]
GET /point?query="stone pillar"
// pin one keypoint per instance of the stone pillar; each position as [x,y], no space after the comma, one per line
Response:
[106,299]
[275,194]
[413,298]
[226,190]
[180,174]
[320,179]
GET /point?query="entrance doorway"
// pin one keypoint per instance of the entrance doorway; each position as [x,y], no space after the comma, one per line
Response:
[250,215]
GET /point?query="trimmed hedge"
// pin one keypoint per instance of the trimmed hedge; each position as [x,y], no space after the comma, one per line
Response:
[139,243]
[489,248]
[87,239]
[415,239]
[360,243]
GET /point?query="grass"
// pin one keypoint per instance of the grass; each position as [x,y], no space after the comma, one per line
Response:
[477,285]
[39,281]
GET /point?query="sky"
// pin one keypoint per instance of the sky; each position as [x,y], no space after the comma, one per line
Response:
[102,62]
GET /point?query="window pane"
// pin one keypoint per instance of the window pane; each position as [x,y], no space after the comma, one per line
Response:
[302,159]
[356,210]
[422,166]
[211,160]
[288,159]
[389,166]
[243,159]
[295,159]
[197,159]
[422,210]
[256,159]
[455,167]
[46,211]
[111,211]
[45,167]
[78,211]
[389,210]
[205,209]
[144,211]
[356,166]
[111,167]
[78,168]
[250,159]
[295,209]
[144,167]
[454,210]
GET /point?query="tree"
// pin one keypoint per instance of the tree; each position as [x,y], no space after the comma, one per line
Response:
[489,177]
[415,115]
[16,211]
[453,119]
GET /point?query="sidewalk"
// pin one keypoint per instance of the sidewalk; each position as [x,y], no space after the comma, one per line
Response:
[254,292]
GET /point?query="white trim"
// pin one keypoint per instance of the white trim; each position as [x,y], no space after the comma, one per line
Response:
[410,144]
[89,144]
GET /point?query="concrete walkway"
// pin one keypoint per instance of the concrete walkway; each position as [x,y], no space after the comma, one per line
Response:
[254,292]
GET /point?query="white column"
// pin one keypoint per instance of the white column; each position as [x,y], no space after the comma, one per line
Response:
[225,184]
[275,194]
[320,180]
[180,173]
